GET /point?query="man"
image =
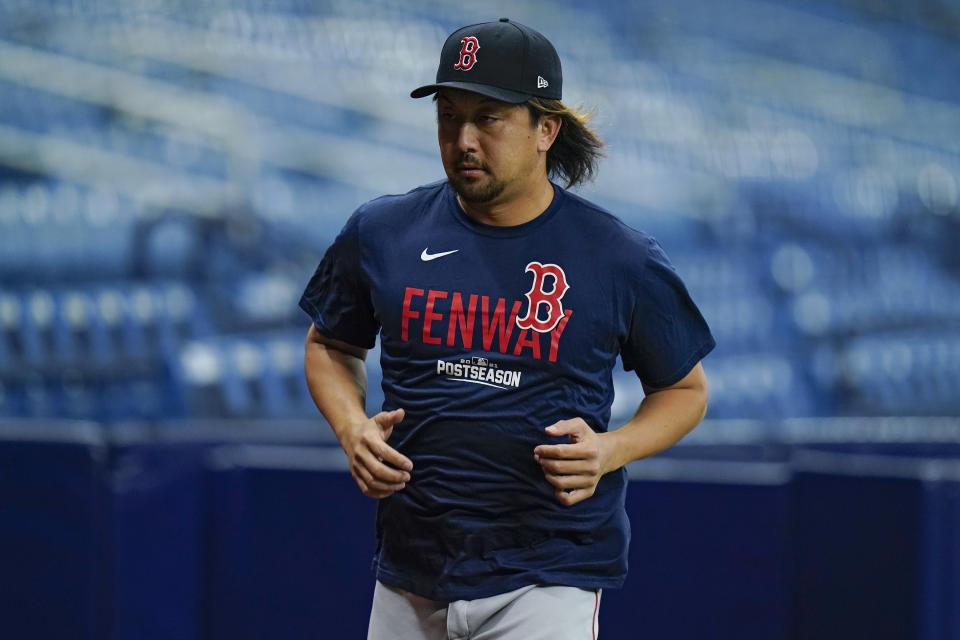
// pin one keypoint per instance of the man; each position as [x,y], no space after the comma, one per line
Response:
[502,302]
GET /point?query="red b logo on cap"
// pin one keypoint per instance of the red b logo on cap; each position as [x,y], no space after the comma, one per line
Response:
[468,54]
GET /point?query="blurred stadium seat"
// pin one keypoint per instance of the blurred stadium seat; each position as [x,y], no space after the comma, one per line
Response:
[805,193]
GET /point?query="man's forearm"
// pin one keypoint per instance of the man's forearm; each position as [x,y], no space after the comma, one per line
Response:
[574,468]
[661,420]
[337,382]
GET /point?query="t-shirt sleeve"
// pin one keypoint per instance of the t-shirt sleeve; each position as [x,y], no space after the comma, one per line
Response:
[338,298]
[667,335]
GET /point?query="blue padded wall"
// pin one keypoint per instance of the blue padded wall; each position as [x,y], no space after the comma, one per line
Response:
[289,546]
[53,533]
[710,554]
[876,545]
[259,531]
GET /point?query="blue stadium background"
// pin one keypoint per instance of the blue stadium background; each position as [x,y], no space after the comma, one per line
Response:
[171,172]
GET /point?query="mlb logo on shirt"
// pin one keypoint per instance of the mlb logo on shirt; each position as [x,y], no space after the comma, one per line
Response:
[480,362]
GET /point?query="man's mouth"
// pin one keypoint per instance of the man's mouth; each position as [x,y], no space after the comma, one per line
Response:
[469,170]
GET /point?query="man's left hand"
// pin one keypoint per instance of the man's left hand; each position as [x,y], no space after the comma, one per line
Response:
[575,468]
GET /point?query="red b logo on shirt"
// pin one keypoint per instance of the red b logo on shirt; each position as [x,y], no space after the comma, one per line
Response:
[538,296]
[468,54]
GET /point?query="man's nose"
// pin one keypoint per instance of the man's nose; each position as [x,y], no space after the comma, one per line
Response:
[467,137]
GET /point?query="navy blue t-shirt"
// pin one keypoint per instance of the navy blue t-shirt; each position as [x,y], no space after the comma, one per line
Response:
[489,335]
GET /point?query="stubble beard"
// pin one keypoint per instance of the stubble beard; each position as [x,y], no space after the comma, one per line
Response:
[478,190]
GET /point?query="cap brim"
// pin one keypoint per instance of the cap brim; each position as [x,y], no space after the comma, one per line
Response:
[504,95]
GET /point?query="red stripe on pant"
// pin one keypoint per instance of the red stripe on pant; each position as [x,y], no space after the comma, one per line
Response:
[596,608]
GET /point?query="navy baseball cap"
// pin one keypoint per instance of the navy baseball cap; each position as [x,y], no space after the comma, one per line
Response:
[503,60]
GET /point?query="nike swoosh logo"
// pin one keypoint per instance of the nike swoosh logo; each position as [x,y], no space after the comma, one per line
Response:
[426,256]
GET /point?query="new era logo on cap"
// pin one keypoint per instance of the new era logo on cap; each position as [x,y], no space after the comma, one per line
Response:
[506,60]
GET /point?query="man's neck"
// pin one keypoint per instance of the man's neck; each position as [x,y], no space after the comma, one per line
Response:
[512,211]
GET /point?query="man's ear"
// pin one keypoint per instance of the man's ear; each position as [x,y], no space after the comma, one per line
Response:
[548,128]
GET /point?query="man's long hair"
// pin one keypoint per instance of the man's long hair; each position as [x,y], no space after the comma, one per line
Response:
[577,150]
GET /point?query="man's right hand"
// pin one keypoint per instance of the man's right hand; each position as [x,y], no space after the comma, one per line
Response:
[378,469]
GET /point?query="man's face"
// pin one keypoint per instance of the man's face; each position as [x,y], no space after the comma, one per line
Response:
[490,149]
